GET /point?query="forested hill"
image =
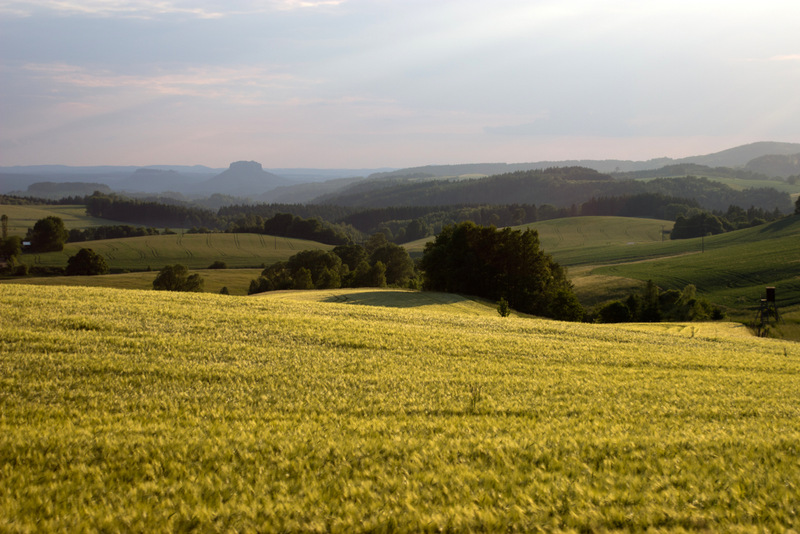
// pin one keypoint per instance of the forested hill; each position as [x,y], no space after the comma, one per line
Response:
[692,169]
[561,187]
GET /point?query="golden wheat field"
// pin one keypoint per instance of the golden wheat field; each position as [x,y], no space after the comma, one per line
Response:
[383,411]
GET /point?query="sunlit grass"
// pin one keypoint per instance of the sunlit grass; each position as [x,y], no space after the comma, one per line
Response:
[333,411]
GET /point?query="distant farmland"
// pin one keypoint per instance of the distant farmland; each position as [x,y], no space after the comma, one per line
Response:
[196,251]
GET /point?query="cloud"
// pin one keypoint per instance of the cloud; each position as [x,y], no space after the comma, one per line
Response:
[209,9]
[243,85]
[787,57]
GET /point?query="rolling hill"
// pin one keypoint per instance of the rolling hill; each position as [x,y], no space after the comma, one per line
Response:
[196,251]
[560,187]
[610,257]
[23,217]
[380,411]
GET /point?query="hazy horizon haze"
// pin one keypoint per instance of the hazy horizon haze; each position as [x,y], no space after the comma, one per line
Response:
[384,83]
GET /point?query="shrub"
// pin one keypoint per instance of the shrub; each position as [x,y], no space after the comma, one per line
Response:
[502,308]
[614,312]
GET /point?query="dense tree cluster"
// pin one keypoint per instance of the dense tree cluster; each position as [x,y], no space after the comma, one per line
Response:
[86,263]
[288,225]
[712,195]
[495,264]
[159,214]
[378,264]
[10,246]
[14,200]
[177,278]
[649,205]
[95,233]
[698,223]
[327,212]
[653,305]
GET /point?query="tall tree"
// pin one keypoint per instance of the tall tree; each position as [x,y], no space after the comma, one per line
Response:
[10,247]
[48,235]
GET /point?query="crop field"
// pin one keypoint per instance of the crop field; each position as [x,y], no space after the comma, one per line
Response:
[368,411]
[196,251]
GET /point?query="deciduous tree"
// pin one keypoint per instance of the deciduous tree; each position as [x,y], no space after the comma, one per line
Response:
[86,263]
[48,235]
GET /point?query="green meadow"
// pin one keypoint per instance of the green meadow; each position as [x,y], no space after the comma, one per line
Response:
[21,218]
[610,257]
[196,251]
[382,410]
[607,257]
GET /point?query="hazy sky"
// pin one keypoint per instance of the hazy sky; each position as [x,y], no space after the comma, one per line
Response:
[368,83]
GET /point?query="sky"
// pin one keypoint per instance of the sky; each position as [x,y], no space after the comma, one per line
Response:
[392,83]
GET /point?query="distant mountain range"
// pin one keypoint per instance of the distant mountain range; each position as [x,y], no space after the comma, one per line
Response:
[733,158]
[249,181]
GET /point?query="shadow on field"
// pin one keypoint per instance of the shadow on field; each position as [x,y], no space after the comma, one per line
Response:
[395,299]
[781,224]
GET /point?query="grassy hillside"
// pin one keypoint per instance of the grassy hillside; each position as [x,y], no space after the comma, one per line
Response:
[733,270]
[236,280]
[193,250]
[586,235]
[764,255]
[610,257]
[20,218]
[148,411]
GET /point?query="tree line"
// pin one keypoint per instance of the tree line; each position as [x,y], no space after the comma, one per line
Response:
[95,233]
[378,263]
[698,223]
[560,187]
[149,213]
[653,305]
